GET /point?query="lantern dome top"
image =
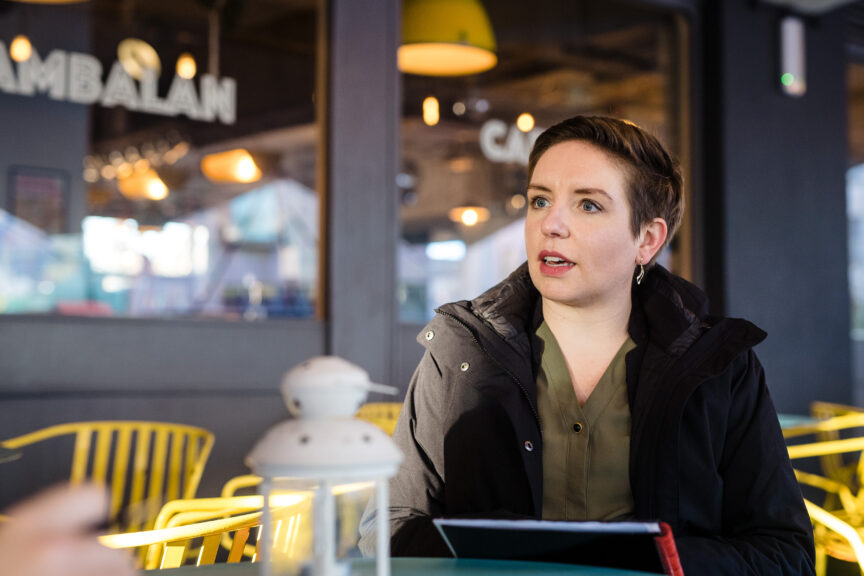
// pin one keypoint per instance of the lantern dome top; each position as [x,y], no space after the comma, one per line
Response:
[323,440]
[327,387]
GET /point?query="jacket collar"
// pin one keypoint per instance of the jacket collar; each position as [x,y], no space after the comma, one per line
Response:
[668,311]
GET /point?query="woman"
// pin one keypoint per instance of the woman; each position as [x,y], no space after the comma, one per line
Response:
[592,384]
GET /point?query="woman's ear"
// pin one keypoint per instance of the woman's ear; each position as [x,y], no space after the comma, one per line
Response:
[651,239]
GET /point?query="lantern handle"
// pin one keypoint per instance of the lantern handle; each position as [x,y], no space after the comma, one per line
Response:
[382,388]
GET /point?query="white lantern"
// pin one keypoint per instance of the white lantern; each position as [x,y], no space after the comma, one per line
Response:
[321,448]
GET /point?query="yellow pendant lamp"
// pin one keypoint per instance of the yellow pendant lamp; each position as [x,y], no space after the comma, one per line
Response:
[446,38]
[147,185]
[231,166]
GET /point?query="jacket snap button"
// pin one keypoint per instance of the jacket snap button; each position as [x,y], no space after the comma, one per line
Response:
[577,427]
[430,335]
[529,446]
[464,366]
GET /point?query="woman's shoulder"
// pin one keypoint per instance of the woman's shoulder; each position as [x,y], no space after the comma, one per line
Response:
[506,309]
[675,312]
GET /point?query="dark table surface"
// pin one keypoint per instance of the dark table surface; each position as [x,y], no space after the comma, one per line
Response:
[8,455]
[422,567]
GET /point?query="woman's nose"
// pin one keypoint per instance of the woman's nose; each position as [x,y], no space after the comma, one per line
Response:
[553,224]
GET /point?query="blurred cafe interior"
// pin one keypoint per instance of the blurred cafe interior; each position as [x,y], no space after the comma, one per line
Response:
[197,195]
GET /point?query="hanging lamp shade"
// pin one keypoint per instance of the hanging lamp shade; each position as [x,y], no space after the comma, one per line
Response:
[137,56]
[446,38]
[146,185]
[231,166]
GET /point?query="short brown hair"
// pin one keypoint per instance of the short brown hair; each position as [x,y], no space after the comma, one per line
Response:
[654,177]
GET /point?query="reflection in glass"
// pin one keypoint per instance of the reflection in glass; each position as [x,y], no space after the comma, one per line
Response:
[462,179]
[159,190]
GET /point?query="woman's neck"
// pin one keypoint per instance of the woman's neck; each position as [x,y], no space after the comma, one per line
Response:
[597,325]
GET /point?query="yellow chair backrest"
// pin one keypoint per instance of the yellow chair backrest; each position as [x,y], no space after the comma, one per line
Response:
[237,483]
[143,463]
[180,512]
[351,501]
[201,524]
[833,422]
[839,444]
[834,537]
[382,414]
[168,547]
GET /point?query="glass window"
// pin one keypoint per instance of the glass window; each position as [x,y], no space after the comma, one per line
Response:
[855,196]
[158,158]
[462,178]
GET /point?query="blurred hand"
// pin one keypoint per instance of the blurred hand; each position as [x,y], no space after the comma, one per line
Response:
[51,535]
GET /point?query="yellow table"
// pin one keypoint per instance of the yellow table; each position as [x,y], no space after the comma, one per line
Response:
[793,420]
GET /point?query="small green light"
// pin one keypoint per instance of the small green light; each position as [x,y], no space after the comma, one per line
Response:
[787,79]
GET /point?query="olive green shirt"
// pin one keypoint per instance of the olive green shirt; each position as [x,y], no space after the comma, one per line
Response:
[585,448]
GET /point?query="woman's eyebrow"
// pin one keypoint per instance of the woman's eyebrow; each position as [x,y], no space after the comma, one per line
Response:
[540,187]
[590,191]
[582,191]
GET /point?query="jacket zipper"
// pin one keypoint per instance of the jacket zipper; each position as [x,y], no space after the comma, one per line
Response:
[496,361]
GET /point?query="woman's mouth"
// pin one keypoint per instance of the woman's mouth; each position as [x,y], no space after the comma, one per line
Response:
[554,264]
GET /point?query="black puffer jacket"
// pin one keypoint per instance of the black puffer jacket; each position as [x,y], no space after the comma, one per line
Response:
[706,452]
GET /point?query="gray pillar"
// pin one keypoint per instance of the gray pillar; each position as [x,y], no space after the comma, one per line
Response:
[360,189]
[776,249]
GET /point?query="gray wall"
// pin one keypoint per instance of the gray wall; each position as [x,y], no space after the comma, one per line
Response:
[775,198]
[36,131]
[223,376]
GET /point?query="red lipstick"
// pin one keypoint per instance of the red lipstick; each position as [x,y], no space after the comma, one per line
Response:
[554,264]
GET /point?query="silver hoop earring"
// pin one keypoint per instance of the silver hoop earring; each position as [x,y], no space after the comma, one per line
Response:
[641,275]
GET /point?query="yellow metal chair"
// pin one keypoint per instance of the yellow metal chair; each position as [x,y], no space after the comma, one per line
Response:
[351,500]
[189,511]
[833,423]
[248,483]
[143,463]
[168,547]
[838,519]
[849,422]
[201,524]
[382,414]
[834,537]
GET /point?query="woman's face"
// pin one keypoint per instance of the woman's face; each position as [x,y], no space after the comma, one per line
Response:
[581,251]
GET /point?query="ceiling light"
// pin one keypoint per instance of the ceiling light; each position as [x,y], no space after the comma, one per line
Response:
[460,164]
[136,56]
[156,189]
[517,201]
[186,67]
[108,172]
[20,49]
[124,170]
[469,215]
[525,122]
[230,166]
[431,113]
[446,38]
[141,185]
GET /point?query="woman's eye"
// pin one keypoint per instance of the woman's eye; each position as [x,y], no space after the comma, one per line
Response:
[590,206]
[539,202]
